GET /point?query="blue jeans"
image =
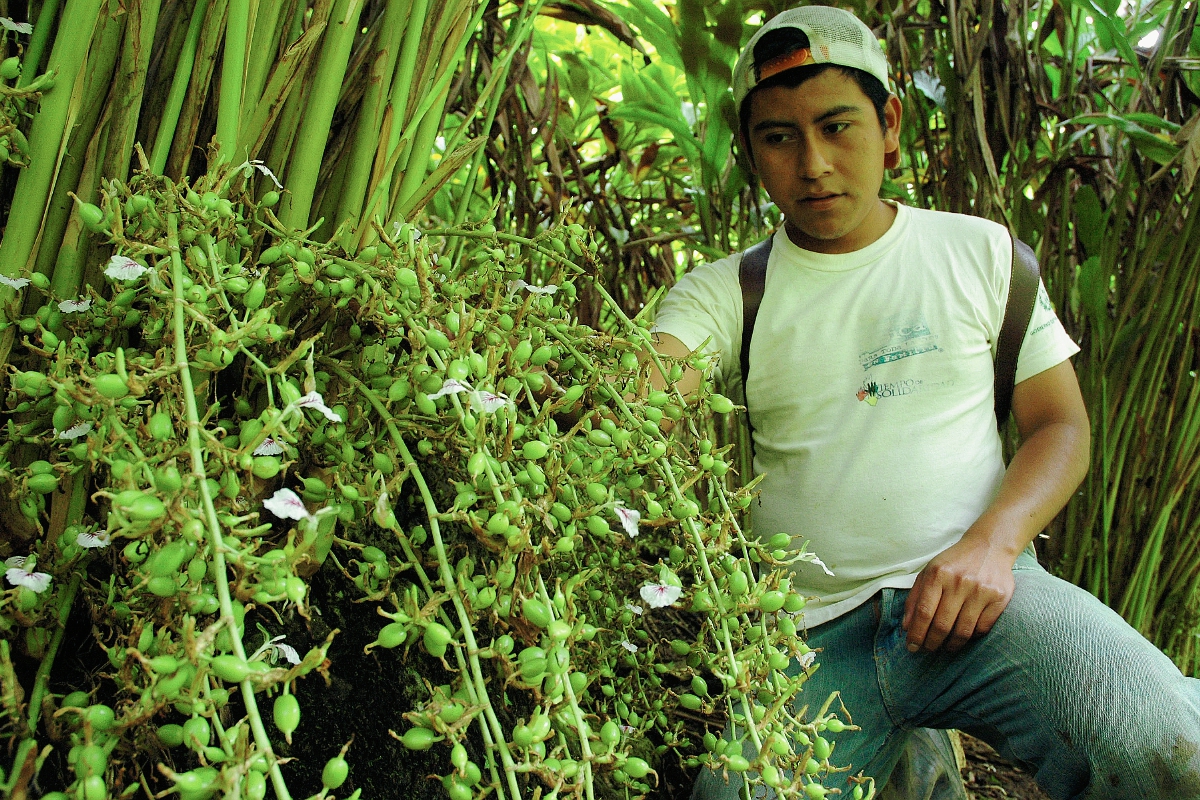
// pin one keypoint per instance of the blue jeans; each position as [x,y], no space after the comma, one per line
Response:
[1061,685]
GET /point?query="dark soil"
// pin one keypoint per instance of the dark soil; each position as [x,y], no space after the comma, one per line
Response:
[988,776]
[364,697]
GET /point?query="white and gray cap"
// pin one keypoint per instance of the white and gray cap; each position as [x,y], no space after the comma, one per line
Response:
[835,36]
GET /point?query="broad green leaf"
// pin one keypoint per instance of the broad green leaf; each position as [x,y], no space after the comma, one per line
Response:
[1112,28]
[1152,121]
[1153,146]
[654,26]
[1089,219]
[634,88]
[652,116]
[1093,290]
[1053,45]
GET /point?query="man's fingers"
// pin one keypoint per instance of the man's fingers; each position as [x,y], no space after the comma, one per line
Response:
[992,613]
[966,626]
[920,610]
[945,622]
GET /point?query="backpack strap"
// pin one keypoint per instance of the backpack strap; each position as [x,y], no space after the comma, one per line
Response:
[752,274]
[1018,311]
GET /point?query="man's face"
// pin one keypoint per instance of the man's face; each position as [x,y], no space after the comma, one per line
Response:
[820,153]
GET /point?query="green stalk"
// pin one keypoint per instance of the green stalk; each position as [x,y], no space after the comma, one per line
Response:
[37,43]
[381,190]
[179,86]
[41,682]
[229,107]
[263,50]
[124,113]
[402,86]
[402,83]
[446,45]
[213,526]
[523,30]
[416,165]
[63,240]
[45,139]
[183,143]
[313,134]
[365,149]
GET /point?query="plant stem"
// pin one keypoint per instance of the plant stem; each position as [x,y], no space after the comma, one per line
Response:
[124,113]
[37,42]
[41,682]
[305,163]
[366,147]
[80,172]
[229,107]
[45,139]
[179,86]
[445,572]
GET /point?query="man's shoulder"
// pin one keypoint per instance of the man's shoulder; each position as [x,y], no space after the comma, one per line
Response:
[721,271]
[930,221]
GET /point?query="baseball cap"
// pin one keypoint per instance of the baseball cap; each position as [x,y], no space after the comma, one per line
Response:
[835,36]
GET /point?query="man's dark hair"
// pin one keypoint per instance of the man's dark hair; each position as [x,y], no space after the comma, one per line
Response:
[781,42]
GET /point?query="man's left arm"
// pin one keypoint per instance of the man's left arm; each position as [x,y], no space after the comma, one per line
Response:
[962,591]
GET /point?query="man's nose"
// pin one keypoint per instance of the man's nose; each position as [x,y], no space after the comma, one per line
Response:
[813,160]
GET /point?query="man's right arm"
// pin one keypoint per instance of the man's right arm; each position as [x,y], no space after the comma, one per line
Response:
[667,345]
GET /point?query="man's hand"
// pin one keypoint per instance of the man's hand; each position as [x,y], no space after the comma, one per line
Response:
[959,594]
[963,590]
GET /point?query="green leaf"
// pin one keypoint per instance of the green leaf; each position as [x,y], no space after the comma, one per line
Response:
[1112,27]
[1089,219]
[677,125]
[654,26]
[1153,146]
[1093,290]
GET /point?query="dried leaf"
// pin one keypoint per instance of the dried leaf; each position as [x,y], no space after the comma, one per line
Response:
[588,12]
[1188,137]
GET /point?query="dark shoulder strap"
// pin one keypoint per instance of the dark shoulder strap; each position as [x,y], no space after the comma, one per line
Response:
[753,276]
[1022,294]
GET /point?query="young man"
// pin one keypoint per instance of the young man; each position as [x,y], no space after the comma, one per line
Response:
[871,392]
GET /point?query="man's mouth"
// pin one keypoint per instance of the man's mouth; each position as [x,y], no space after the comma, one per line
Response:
[819,200]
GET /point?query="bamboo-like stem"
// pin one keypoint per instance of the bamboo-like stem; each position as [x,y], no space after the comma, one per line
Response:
[521,33]
[183,142]
[131,78]
[45,139]
[261,57]
[229,107]
[37,43]
[64,241]
[416,166]
[179,86]
[401,89]
[305,164]
[363,152]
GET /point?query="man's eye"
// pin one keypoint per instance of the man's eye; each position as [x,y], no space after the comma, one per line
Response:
[836,127]
[775,138]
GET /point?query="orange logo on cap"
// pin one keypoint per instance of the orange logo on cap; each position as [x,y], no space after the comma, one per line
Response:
[796,58]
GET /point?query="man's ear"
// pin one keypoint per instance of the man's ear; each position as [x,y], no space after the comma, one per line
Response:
[891,136]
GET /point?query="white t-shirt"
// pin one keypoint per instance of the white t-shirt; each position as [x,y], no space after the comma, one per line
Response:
[871,392]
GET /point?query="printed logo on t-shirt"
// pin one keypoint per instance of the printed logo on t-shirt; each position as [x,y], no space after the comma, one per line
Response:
[871,391]
[911,338]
